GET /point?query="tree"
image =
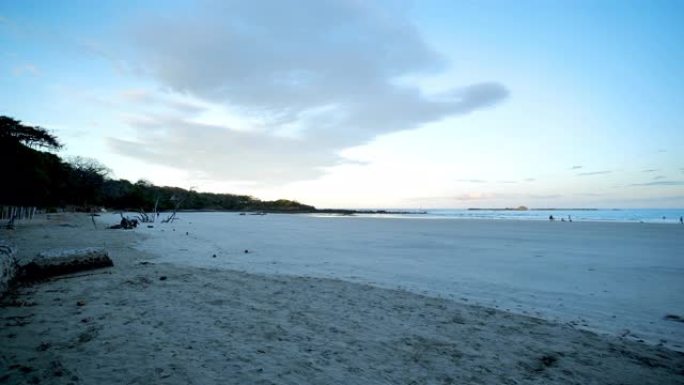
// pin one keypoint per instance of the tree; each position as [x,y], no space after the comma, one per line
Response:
[12,130]
[89,166]
[30,177]
[86,180]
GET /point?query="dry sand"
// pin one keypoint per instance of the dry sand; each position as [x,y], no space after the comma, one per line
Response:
[142,322]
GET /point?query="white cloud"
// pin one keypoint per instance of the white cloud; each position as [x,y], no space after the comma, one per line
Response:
[220,153]
[661,183]
[591,173]
[472,180]
[312,77]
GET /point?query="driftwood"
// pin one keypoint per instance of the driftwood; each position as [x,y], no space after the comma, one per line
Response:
[179,202]
[60,262]
[8,266]
[125,224]
[155,213]
[172,217]
[144,217]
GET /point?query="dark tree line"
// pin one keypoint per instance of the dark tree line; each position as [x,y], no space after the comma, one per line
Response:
[31,177]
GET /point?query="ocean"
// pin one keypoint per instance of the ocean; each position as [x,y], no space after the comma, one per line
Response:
[670,216]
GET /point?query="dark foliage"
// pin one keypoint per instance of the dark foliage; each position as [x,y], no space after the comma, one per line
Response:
[32,177]
[37,178]
[142,195]
[12,130]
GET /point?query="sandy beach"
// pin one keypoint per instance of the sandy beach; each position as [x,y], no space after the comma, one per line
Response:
[620,279]
[151,320]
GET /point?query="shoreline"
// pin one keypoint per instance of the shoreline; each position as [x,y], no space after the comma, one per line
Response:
[429,216]
[204,326]
[444,214]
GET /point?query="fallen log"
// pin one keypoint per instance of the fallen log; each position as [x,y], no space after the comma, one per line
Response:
[59,262]
[8,266]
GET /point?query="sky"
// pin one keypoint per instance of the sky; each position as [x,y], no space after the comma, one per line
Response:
[362,104]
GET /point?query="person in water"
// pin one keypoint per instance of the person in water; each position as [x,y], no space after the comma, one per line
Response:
[550,217]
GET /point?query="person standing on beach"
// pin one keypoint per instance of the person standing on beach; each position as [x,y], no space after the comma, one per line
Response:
[681,220]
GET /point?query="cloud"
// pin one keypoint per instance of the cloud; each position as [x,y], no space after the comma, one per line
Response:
[221,153]
[467,197]
[486,196]
[594,173]
[93,48]
[472,180]
[148,98]
[530,179]
[588,194]
[651,170]
[661,183]
[136,95]
[183,107]
[544,196]
[26,69]
[576,167]
[325,72]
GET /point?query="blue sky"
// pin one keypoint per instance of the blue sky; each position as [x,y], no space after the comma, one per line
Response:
[363,104]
